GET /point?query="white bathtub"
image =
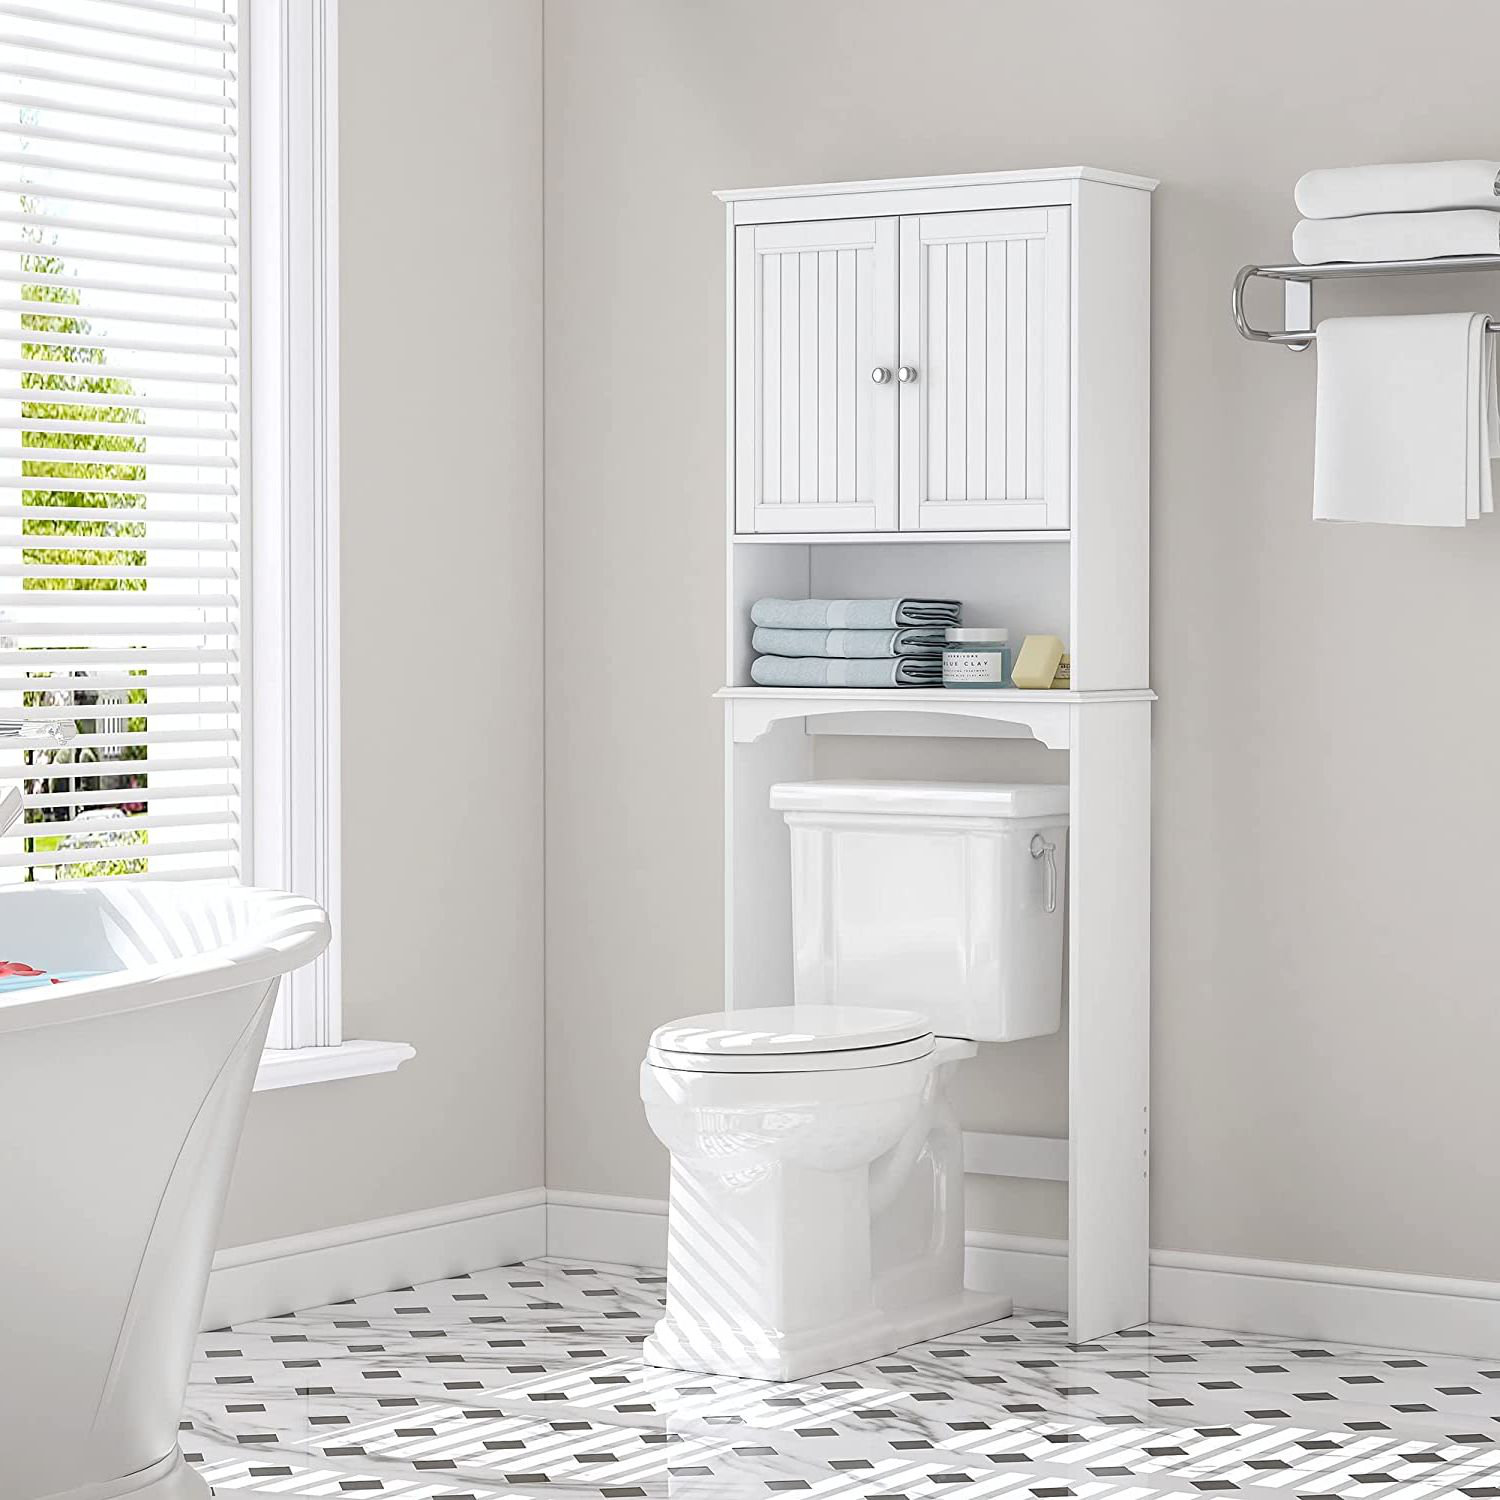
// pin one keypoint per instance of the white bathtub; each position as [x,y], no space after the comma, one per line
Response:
[121,1101]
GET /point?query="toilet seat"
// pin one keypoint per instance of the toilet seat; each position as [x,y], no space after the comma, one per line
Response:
[791,1039]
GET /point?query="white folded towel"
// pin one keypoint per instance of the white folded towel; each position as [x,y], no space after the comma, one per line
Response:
[1456,231]
[1397,188]
[1406,420]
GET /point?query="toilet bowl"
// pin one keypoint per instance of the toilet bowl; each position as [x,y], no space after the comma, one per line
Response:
[816,1208]
[816,1189]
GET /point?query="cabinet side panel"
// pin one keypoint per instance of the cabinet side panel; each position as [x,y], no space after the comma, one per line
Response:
[1111,437]
[758,890]
[1109,1018]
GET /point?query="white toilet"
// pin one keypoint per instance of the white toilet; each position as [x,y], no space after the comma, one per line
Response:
[816,1214]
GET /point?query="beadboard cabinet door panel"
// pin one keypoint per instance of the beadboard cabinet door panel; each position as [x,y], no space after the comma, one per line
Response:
[985,355]
[815,424]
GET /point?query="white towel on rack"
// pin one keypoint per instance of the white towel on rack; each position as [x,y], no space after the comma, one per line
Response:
[1407,421]
[1456,231]
[1397,188]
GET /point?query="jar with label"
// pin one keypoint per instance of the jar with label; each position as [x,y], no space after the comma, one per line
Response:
[976,657]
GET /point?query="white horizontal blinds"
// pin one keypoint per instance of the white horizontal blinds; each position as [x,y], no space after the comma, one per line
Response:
[120,576]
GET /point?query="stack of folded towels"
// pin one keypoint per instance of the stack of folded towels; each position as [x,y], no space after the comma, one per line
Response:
[1407,420]
[857,643]
[1417,210]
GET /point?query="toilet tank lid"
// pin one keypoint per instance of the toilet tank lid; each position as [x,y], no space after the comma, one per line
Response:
[938,799]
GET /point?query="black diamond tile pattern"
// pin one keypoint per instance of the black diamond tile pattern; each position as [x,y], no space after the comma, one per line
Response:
[526,1381]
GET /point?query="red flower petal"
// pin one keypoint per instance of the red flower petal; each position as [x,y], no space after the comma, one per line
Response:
[23,969]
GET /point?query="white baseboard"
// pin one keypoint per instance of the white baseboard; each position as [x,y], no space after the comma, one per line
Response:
[1389,1309]
[596,1226]
[1386,1309]
[250,1282]
[1033,1272]
[633,1232]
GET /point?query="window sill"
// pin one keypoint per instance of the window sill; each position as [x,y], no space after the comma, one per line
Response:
[286,1069]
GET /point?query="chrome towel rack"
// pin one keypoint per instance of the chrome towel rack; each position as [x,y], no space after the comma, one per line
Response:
[1297,291]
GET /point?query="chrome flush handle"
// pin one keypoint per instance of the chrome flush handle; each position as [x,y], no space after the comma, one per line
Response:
[1042,849]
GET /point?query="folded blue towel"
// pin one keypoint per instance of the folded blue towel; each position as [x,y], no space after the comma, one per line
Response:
[854,614]
[845,643]
[821,672]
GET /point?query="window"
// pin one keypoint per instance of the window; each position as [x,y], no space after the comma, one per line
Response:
[188,635]
[121,568]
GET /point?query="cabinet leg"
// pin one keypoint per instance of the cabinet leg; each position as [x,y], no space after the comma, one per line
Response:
[1109,965]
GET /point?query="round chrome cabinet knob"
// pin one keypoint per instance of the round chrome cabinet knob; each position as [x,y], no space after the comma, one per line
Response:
[906,374]
[880,374]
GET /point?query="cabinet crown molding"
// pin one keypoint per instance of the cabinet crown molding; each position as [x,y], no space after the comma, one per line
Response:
[960,179]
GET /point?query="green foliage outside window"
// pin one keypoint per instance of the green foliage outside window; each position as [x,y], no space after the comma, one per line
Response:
[79,369]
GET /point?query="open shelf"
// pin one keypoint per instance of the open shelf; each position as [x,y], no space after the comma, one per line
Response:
[1000,712]
[1022,585]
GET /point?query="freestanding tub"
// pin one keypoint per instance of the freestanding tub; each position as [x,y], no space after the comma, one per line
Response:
[121,1101]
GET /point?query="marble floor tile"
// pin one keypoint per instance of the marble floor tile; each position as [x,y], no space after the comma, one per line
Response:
[527,1380]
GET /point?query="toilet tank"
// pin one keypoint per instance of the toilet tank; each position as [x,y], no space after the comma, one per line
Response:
[939,897]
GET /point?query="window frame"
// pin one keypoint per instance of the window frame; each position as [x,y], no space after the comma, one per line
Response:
[290,296]
[289,287]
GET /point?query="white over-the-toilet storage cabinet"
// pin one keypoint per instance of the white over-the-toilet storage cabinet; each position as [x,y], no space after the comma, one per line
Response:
[940,387]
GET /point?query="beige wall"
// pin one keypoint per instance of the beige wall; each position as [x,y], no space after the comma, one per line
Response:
[1328,811]
[441,278]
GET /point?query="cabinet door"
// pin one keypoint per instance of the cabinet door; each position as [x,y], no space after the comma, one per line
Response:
[815,426]
[985,356]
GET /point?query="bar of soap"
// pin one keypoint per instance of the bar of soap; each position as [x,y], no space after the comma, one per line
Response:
[1037,665]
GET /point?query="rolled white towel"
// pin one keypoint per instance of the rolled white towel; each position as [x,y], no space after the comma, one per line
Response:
[1397,188]
[1458,231]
